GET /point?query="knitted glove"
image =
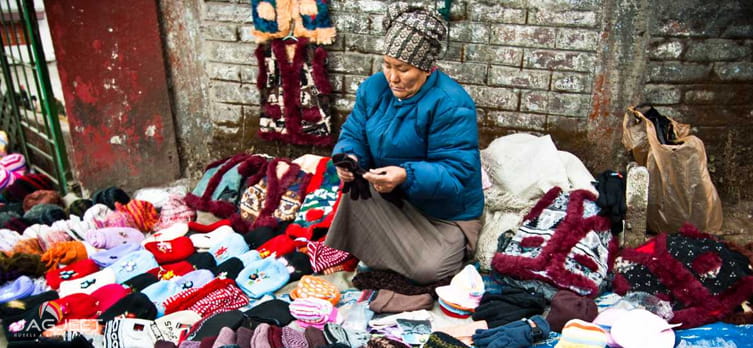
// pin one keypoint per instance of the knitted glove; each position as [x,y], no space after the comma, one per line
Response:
[511,305]
[518,334]
[359,187]
[611,187]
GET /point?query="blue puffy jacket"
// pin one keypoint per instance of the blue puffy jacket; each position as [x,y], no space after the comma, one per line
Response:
[433,135]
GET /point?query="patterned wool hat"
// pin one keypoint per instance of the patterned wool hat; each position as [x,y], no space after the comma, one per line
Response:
[316,287]
[143,213]
[79,207]
[41,197]
[173,211]
[414,35]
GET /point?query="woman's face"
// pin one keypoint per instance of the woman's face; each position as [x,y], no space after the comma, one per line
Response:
[405,80]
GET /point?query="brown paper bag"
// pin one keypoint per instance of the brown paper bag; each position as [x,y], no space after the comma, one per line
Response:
[680,187]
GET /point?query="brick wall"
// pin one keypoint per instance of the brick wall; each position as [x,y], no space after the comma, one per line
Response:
[700,72]
[563,67]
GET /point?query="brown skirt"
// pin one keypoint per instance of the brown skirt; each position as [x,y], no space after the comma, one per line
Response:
[403,240]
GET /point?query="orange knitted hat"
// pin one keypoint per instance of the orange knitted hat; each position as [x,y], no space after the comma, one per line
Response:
[311,286]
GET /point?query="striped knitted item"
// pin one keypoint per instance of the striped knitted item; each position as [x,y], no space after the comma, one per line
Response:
[6,178]
[187,298]
[27,184]
[313,312]
[143,213]
[173,211]
[323,257]
[316,287]
[220,300]
[581,334]
[15,163]
[293,338]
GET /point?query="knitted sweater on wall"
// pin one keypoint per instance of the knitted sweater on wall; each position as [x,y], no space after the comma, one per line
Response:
[294,93]
[310,18]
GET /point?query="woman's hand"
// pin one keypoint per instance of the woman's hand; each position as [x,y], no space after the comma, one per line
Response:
[385,179]
[344,174]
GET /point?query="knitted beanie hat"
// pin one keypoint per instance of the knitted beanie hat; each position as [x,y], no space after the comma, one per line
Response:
[313,312]
[129,333]
[65,253]
[133,264]
[107,257]
[317,287]
[440,339]
[171,270]
[15,163]
[314,337]
[79,207]
[203,261]
[261,337]
[96,215]
[230,268]
[298,265]
[230,246]
[17,224]
[5,216]
[6,178]
[292,338]
[45,214]
[17,191]
[175,325]
[273,312]
[77,306]
[567,305]
[413,35]
[258,236]
[42,197]
[335,333]
[140,282]
[174,231]
[577,333]
[274,335]
[243,337]
[109,295]
[204,241]
[110,237]
[73,271]
[16,265]
[29,246]
[144,214]
[20,306]
[210,326]
[263,277]
[384,342]
[8,239]
[108,196]
[171,250]
[134,305]
[21,287]
[323,258]
[175,210]
[87,284]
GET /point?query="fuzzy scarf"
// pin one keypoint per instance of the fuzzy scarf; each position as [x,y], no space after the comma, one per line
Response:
[251,167]
[682,282]
[550,265]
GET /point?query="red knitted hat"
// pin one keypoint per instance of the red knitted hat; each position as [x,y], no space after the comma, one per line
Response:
[78,306]
[142,212]
[108,295]
[75,270]
[171,250]
[280,244]
[170,270]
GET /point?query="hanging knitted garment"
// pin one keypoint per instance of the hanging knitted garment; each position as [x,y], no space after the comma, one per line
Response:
[294,93]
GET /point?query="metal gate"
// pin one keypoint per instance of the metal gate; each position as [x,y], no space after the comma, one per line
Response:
[28,110]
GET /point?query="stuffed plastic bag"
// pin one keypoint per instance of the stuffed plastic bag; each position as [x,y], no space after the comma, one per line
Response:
[680,187]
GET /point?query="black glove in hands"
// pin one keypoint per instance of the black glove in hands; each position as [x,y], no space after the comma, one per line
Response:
[359,187]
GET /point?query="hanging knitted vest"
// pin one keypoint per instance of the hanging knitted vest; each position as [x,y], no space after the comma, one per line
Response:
[310,19]
[294,93]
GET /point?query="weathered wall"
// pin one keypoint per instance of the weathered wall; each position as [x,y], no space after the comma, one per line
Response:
[114,83]
[700,70]
[564,67]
